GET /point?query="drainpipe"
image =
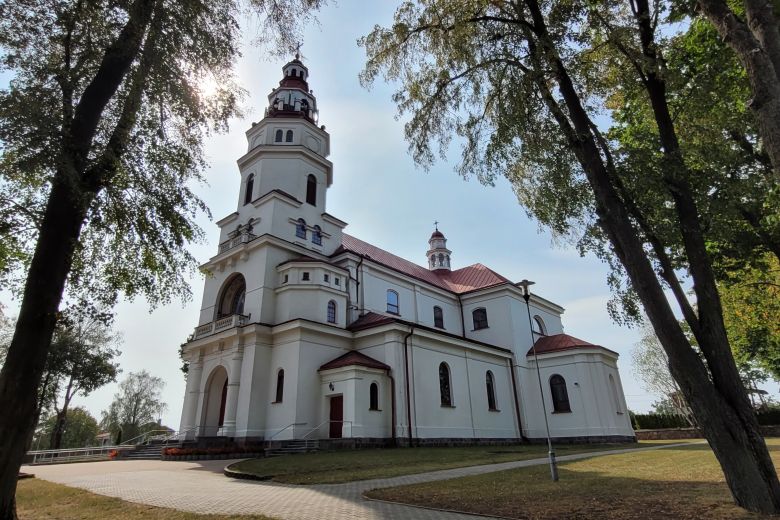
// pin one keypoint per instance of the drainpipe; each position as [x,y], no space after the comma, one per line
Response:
[408,396]
[392,406]
[514,395]
[462,319]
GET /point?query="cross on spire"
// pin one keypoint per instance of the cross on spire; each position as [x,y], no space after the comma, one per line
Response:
[298,50]
[436,224]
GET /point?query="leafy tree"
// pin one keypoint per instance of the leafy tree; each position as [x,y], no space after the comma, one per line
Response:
[523,86]
[80,430]
[101,133]
[651,366]
[751,310]
[81,359]
[137,404]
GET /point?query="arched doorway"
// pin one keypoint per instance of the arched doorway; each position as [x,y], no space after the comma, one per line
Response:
[214,399]
[231,297]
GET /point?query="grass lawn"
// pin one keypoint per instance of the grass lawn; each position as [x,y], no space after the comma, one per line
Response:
[673,483]
[346,466]
[38,499]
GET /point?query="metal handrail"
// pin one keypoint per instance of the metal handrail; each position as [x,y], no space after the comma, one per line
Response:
[316,428]
[65,454]
[286,427]
[143,435]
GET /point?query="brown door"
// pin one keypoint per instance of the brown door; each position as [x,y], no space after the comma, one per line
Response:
[336,416]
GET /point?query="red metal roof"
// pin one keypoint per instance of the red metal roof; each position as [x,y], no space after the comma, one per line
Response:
[469,278]
[354,358]
[561,342]
[369,320]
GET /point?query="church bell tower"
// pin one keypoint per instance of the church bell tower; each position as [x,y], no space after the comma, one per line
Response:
[438,254]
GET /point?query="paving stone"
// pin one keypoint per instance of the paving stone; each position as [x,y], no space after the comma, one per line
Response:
[200,487]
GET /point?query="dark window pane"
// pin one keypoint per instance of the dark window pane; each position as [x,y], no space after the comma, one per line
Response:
[491,390]
[560,395]
[392,301]
[438,317]
[311,190]
[374,397]
[279,386]
[444,385]
[480,319]
[331,312]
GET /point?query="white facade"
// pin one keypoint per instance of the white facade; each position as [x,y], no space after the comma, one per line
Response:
[305,331]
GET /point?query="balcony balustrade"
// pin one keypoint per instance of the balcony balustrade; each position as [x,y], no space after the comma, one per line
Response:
[236,241]
[227,322]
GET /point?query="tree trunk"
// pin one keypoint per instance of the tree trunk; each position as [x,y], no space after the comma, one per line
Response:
[717,405]
[29,347]
[759,63]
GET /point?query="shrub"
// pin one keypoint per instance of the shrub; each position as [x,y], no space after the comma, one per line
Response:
[654,421]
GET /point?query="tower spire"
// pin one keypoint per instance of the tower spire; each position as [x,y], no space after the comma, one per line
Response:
[438,254]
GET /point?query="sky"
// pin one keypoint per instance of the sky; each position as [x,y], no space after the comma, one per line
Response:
[386,200]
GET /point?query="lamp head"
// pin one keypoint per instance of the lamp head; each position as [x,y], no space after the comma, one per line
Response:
[525,284]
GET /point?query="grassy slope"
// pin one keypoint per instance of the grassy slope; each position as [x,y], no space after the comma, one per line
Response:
[38,500]
[674,483]
[346,466]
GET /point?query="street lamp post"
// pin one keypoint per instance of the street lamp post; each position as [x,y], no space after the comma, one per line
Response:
[525,284]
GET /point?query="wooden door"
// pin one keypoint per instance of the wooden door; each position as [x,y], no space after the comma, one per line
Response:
[336,416]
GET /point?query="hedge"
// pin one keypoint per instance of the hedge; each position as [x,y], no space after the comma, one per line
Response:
[652,421]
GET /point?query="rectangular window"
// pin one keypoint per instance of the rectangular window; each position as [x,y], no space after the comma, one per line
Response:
[305,277]
[326,278]
[337,281]
[286,278]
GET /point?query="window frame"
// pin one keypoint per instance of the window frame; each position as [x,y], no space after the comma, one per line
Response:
[396,305]
[331,314]
[482,323]
[311,190]
[279,135]
[373,397]
[438,317]
[490,386]
[560,397]
[316,235]
[538,322]
[279,394]
[288,136]
[249,186]
[300,229]
[445,385]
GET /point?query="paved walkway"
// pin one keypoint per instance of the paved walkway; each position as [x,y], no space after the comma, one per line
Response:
[200,487]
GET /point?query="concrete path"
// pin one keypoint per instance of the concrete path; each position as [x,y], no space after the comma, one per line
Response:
[201,487]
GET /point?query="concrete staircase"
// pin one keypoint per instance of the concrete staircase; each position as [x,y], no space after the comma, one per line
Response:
[293,446]
[151,451]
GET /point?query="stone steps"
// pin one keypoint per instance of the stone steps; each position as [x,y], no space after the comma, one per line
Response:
[292,447]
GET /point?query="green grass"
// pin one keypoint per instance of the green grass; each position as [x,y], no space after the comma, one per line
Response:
[672,483]
[38,500]
[346,466]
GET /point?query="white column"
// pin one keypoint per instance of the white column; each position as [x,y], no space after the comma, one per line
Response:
[191,397]
[231,401]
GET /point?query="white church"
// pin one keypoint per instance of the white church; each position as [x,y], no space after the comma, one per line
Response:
[306,332]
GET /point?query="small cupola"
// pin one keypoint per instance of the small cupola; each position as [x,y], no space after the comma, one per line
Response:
[293,98]
[438,254]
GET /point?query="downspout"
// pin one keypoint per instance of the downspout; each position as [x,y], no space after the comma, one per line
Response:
[392,406]
[514,395]
[356,306]
[462,319]
[408,396]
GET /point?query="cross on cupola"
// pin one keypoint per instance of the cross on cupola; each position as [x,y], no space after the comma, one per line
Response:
[438,254]
[293,98]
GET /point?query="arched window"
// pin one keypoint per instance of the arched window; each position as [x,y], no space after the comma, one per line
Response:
[445,387]
[231,300]
[288,137]
[615,395]
[300,229]
[373,397]
[278,136]
[433,260]
[438,317]
[392,301]
[279,386]
[331,311]
[311,190]
[539,327]
[316,236]
[480,318]
[490,384]
[441,259]
[250,184]
[560,396]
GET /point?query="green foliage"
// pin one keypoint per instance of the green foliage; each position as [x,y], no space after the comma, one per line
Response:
[142,213]
[751,311]
[136,406]
[80,430]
